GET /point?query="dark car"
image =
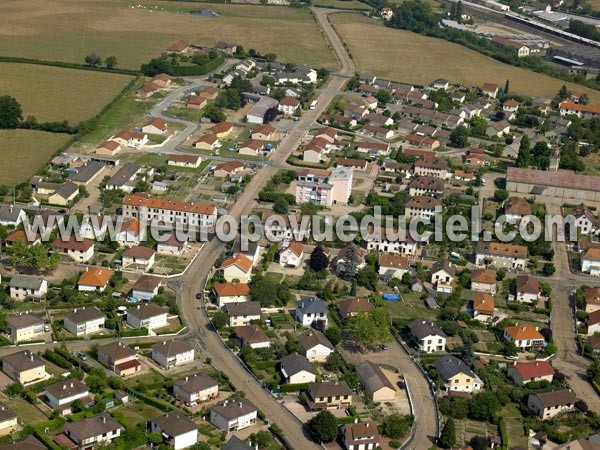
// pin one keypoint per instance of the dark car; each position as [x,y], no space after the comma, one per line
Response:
[199,296]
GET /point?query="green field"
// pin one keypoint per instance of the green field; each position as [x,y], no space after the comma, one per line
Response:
[342,4]
[67,30]
[27,151]
[57,94]
[412,58]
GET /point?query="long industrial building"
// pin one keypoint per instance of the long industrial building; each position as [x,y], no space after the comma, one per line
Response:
[561,184]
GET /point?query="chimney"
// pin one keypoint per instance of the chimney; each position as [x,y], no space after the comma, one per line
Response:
[241,406]
[187,378]
[71,385]
[64,387]
[138,306]
[103,419]
[355,420]
[367,424]
[31,357]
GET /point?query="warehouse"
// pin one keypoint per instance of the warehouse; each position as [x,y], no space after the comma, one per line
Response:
[562,184]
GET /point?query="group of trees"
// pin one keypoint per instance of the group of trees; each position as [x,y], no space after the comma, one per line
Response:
[231,96]
[35,257]
[370,329]
[93,60]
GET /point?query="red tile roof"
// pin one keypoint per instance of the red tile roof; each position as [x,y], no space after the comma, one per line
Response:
[533,369]
[95,276]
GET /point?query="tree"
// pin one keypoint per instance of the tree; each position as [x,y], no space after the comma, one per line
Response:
[265,290]
[524,156]
[93,60]
[77,406]
[395,426]
[11,113]
[584,99]
[484,406]
[367,277]
[335,363]
[459,137]
[96,383]
[281,206]
[448,437]
[323,427]
[111,62]
[155,438]
[479,442]
[383,96]
[219,320]
[506,87]
[318,259]
[334,335]
[478,125]
[370,329]
[214,113]
[500,194]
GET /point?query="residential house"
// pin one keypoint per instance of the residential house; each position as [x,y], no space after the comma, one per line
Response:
[328,395]
[194,389]
[155,126]
[352,163]
[148,89]
[549,403]
[510,105]
[498,129]
[296,369]
[585,220]
[233,414]
[162,79]
[124,179]
[442,276]
[525,337]
[78,250]
[231,293]
[252,336]
[527,289]
[235,443]
[429,337]
[61,395]
[292,255]
[288,105]
[361,436]
[11,216]
[207,142]
[25,327]
[132,139]
[228,168]
[373,148]
[173,353]
[592,299]
[85,433]
[108,148]
[242,313]
[422,206]
[517,209]
[119,358]
[196,102]
[483,306]
[483,280]
[250,147]
[171,247]
[497,254]
[25,443]
[527,372]
[238,267]
[84,321]
[138,257]
[94,279]
[353,306]
[426,185]
[189,161]
[590,261]
[312,312]
[25,286]
[149,316]
[24,367]
[522,49]
[376,384]
[180,46]
[146,287]
[89,172]
[65,194]
[29,239]
[327,133]
[315,345]
[131,233]
[177,430]
[264,132]
[432,166]
[490,89]
[593,323]
[421,141]
[9,421]
[222,129]
[392,266]
[456,375]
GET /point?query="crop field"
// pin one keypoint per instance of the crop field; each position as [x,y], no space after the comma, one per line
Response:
[57,94]
[342,4]
[412,58]
[134,32]
[27,151]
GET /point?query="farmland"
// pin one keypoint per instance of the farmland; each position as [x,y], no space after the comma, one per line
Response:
[67,30]
[27,151]
[412,58]
[57,94]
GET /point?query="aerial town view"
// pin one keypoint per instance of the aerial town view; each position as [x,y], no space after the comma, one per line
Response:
[300,224]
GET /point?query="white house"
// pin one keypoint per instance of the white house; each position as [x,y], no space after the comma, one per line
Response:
[25,327]
[585,220]
[527,289]
[238,267]
[172,353]
[498,254]
[242,313]
[456,375]
[231,293]
[60,395]
[442,276]
[233,415]
[524,336]
[94,279]
[590,261]
[252,336]
[84,321]
[138,257]
[361,436]
[10,420]
[392,266]
[146,287]
[315,345]
[483,280]
[549,403]
[24,286]
[85,433]
[176,429]
[311,312]
[155,126]
[296,369]
[150,316]
[429,337]
[292,255]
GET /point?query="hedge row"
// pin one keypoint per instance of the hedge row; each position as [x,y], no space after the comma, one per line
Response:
[293,387]
[66,65]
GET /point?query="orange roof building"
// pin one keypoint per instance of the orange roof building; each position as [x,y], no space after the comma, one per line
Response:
[524,336]
[238,267]
[94,279]
[483,306]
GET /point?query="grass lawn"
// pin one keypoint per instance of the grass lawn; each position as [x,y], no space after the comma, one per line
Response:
[26,411]
[57,94]
[409,307]
[138,412]
[342,4]
[67,30]
[412,58]
[514,426]
[27,151]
